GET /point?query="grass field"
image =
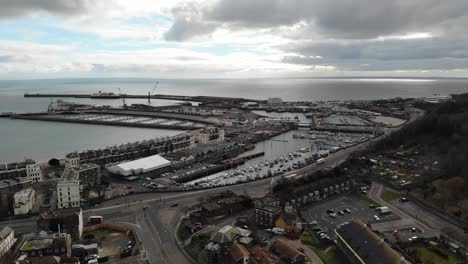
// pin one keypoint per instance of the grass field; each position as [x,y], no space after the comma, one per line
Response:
[388,195]
[99,233]
[366,199]
[429,256]
[309,240]
[329,256]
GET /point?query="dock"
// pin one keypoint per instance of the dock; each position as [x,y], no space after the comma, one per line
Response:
[200,99]
[122,118]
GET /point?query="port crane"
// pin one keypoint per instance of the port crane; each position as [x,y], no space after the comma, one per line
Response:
[124,105]
[152,92]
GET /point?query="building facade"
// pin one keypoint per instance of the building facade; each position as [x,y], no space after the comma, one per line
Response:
[266,215]
[7,239]
[89,175]
[58,244]
[70,221]
[33,172]
[24,201]
[68,190]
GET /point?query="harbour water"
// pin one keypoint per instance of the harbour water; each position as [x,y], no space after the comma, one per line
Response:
[43,140]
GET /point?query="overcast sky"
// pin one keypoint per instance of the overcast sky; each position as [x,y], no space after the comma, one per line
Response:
[232,38]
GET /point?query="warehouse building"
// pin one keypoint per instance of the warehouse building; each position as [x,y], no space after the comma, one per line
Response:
[361,245]
[135,168]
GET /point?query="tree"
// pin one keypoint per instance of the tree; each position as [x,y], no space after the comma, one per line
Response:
[54,162]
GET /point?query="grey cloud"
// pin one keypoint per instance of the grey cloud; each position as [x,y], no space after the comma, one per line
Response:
[416,54]
[354,19]
[188,23]
[186,28]
[15,8]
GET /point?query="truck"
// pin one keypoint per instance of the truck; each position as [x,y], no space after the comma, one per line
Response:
[383,210]
[278,231]
[96,219]
[320,161]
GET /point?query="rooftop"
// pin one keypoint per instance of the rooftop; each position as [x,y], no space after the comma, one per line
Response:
[144,163]
[69,176]
[14,182]
[287,250]
[24,193]
[367,245]
[6,231]
[60,214]
[238,251]
[260,256]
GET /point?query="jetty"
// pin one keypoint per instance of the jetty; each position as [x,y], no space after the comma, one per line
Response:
[201,99]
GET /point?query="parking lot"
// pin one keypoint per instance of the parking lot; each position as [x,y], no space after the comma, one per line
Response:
[357,208]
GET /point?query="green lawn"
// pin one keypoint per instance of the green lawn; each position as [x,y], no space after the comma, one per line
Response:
[429,256]
[388,195]
[99,233]
[329,257]
[309,240]
[366,199]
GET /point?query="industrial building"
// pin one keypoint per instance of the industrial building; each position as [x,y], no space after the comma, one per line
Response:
[24,201]
[361,245]
[140,166]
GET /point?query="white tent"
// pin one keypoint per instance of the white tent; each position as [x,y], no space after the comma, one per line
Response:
[140,166]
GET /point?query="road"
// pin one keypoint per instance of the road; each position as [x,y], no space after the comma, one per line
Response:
[406,220]
[155,226]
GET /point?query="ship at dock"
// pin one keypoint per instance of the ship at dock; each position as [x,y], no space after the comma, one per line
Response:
[101,95]
[62,106]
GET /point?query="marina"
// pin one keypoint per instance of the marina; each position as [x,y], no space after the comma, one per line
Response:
[289,151]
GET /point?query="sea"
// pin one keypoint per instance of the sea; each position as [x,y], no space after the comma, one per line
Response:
[39,140]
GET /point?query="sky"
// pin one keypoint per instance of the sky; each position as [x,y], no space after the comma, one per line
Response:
[233,38]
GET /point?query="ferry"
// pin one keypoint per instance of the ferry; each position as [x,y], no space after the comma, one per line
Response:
[101,95]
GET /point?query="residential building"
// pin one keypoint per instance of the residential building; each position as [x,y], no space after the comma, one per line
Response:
[288,253]
[208,134]
[89,175]
[239,254]
[72,160]
[68,220]
[24,201]
[225,203]
[68,189]
[228,234]
[44,244]
[287,221]
[266,215]
[33,172]
[15,169]
[7,239]
[8,188]
[361,245]
[267,200]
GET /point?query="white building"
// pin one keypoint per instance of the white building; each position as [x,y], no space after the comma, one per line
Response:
[24,201]
[72,160]
[68,190]
[33,172]
[140,166]
[208,134]
[7,239]
[275,101]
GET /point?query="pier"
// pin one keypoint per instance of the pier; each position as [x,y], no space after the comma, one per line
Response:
[201,99]
[120,118]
